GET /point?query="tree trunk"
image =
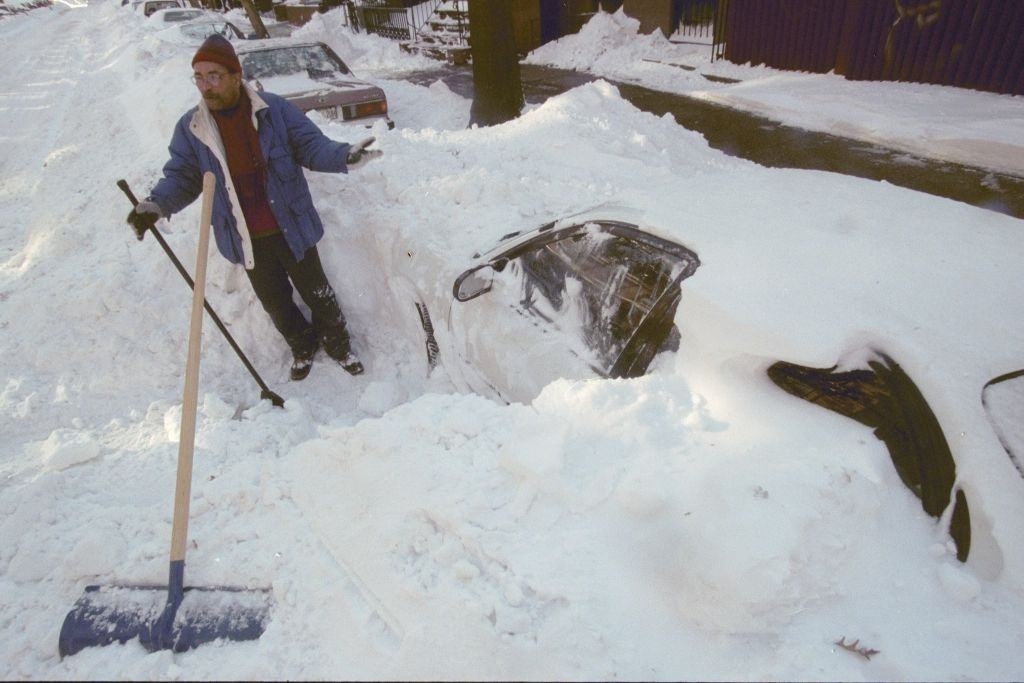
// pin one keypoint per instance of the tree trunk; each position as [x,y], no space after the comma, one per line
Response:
[497,88]
[255,19]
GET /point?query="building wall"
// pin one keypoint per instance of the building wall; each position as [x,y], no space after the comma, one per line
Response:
[653,15]
[968,43]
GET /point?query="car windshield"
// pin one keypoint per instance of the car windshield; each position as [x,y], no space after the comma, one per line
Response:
[207,29]
[181,15]
[603,288]
[154,6]
[315,61]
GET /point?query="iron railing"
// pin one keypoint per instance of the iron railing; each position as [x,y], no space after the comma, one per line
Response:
[718,43]
[694,19]
[396,19]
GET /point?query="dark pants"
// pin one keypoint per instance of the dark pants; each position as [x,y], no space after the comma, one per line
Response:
[275,265]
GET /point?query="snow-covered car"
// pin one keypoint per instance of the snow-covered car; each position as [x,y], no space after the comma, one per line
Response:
[193,33]
[314,78]
[589,295]
[595,295]
[592,295]
[149,7]
[163,18]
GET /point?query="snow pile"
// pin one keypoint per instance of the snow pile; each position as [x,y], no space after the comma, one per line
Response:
[693,523]
[611,45]
[935,121]
[603,41]
[366,54]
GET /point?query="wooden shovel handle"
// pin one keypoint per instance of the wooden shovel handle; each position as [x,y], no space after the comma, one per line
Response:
[186,444]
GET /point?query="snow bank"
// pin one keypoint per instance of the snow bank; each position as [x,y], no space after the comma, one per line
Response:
[692,523]
[366,54]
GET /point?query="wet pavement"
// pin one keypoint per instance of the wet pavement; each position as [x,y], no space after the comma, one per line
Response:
[774,144]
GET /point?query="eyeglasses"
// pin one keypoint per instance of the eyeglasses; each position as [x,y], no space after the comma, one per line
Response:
[213,78]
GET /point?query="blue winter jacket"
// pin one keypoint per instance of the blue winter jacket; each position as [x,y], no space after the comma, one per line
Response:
[289,141]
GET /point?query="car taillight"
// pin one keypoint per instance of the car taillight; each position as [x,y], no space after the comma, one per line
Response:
[358,111]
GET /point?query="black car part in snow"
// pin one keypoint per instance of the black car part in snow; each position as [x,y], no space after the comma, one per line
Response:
[883,397]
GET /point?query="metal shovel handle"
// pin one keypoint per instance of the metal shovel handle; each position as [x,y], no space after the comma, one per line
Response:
[265,391]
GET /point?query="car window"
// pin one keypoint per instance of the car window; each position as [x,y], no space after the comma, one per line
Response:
[155,6]
[205,30]
[885,398]
[1003,398]
[613,289]
[181,15]
[315,61]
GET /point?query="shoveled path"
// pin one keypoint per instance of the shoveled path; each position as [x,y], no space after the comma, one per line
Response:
[774,144]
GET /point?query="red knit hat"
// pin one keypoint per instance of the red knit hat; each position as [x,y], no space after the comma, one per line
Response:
[218,50]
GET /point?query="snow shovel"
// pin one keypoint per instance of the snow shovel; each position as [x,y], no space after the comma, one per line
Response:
[172,617]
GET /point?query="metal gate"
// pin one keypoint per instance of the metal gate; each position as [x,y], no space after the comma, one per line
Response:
[389,22]
[694,19]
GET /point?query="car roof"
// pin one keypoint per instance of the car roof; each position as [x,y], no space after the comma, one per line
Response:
[276,43]
[607,211]
[163,12]
[205,20]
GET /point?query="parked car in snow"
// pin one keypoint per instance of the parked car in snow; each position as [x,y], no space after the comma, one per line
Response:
[592,296]
[163,18]
[589,295]
[193,33]
[595,295]
[149,7]
[314,78]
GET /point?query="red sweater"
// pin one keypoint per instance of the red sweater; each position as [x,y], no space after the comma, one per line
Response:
[247,166]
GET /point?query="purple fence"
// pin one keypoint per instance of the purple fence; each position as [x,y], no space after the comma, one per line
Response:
[967,43]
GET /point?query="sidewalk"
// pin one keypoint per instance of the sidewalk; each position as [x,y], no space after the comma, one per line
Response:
[774,144]
[770,143]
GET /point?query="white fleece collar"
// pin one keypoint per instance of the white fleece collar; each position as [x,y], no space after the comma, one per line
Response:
[205,129]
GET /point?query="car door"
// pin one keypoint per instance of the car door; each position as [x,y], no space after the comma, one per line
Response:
[595,299]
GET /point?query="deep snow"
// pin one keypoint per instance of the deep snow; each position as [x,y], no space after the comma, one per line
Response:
[695,523]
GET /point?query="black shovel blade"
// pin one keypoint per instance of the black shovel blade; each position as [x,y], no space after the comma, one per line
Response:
[118,614]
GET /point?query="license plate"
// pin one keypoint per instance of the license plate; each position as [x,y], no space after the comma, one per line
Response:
[330,112]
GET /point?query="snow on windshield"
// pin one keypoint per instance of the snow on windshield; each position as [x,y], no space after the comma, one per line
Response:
[313,61]
[197,32]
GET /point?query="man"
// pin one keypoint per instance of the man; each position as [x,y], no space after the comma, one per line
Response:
[263,214]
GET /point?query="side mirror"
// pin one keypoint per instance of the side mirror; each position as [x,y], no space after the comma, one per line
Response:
[474,282]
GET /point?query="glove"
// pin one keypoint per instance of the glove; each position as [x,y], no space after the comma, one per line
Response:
[144,217]
[358,154]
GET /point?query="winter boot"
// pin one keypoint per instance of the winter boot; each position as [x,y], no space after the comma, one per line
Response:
[303,352]
[337,346]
